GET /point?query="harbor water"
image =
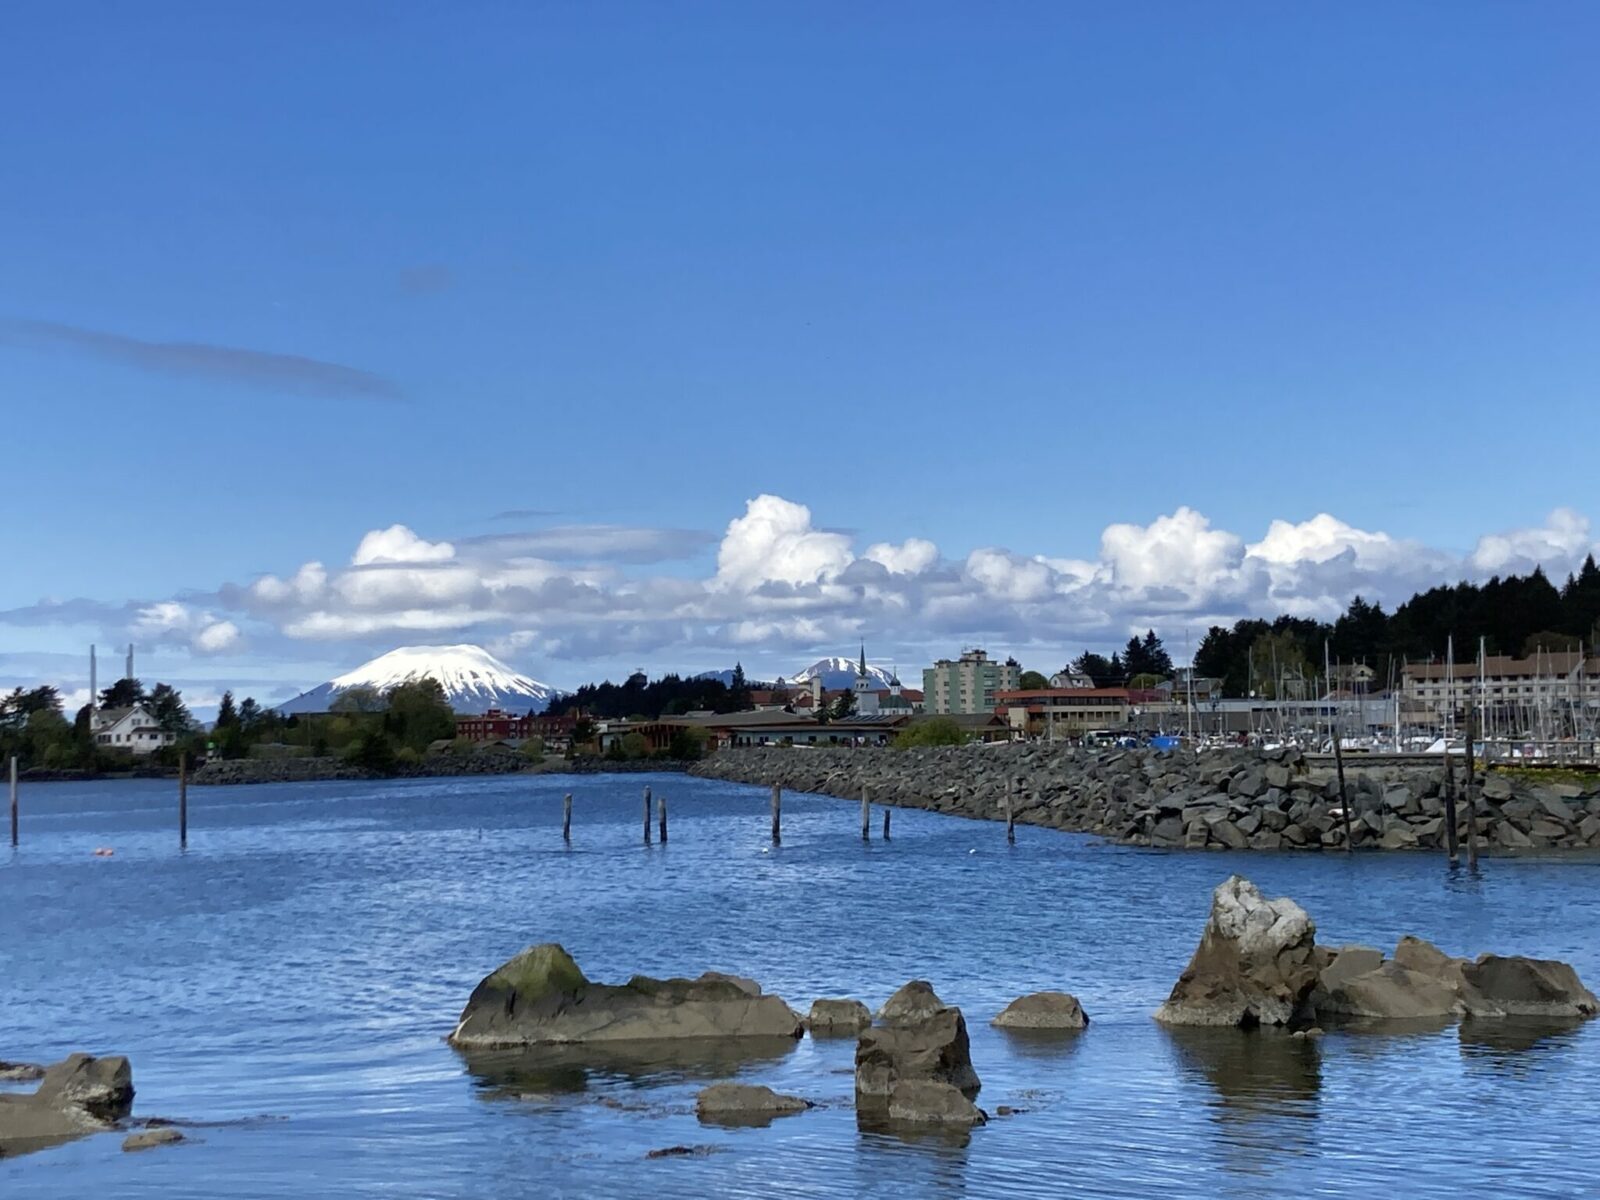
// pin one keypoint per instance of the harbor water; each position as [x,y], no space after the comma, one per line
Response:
[286,983]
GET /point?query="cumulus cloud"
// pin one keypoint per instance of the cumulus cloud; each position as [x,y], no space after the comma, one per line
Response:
[397,544]
[782,586]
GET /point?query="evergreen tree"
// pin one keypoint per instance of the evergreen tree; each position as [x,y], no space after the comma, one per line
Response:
[1099,668]
[124,693]
[167,706]
[227,715]
[738,690]
[250,713]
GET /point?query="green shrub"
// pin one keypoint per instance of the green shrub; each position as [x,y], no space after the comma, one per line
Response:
[934,731]
[533,748]
[372,751]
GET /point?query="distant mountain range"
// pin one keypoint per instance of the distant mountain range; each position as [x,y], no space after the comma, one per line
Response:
[836,673]
[473,680]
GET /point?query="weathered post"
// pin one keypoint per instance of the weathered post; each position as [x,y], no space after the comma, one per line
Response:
[777,814]
[566,818]
[647,815]
[1451,845]
[1472,805]
[866,816]
[183,799]
[1011,816]
[886,811]
[1344,797]
[662,825]
[13,800]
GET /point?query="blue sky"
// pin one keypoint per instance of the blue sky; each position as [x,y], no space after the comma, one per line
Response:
[1005,279]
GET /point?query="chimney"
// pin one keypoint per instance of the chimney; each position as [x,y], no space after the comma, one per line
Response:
[816,689]
[94,685]
[129,675]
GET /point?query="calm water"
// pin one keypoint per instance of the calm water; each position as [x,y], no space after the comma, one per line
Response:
[291,977]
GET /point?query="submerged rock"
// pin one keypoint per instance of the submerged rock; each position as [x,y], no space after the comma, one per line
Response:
[837,1018]
[743,1103]
[1256,963]
[926,1040]
[1043,1010]
[541,997]
[148,1139]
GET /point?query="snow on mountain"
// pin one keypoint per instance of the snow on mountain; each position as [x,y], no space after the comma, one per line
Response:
[473,680]
[840,673]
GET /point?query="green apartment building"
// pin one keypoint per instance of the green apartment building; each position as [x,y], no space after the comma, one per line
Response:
[967,684]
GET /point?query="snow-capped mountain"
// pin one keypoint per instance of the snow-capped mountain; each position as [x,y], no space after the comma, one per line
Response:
[725,677]
[839,673]
[473,680]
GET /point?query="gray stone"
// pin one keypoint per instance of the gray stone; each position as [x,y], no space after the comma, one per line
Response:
[837,1018]
[1555,807]
[743,1102]
[1043,1010]
[1277,776]
[1387,992]
[1255,963]
[1230,835]
[102,1087]
[1529,987]
[14,1072]
[541,997]
[913,1002]
[1496,787]
[930,1102]
[930,1045]
[148,1139]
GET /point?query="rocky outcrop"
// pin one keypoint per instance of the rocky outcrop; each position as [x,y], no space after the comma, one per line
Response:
[78,1096]
[919,1037]
[745,1104]
[1216,799]
[11,1072]
[837,1018]
[1256,963]
[233,771]
[1043,1010]
[540,997]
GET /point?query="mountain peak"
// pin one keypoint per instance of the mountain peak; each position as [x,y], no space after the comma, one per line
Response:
[473,680]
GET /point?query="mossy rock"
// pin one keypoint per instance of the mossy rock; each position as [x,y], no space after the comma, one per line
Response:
[539,971]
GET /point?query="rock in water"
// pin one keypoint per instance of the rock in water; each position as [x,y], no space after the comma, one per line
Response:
[929,1102]
[741,1103]
[540,997]
[1388,992]
[1256,963]
[1043,1010]
[927,1040]
[1527,987]
[150,1138]
[837,1018]
[78,1096]
[102,1087]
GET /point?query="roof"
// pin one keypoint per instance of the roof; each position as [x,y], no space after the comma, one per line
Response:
[1076,693]
[1560,663]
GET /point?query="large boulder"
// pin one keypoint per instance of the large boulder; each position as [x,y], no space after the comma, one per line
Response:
[743,1103]
[924,1039]
[1527,987]
[540,997]
[1388,992]
[1043,1010]
[78,1096]
[1256,963]
[837,1018]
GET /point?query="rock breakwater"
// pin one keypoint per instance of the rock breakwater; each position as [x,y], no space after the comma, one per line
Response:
[1221,799]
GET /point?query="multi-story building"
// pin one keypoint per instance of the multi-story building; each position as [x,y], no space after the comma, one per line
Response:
[1066,712]
[494,726]
[969,684]
[1514,694]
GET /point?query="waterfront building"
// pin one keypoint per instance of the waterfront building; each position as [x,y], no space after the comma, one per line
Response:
[1552,692]
[969,684]
[494,725]
[1066,712]
[133,729]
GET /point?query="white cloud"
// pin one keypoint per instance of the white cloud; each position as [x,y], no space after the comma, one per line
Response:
[911,557]
[1324,537]
[774,543]
[398,544]
[1560,544]
[1178,551]
[217,637]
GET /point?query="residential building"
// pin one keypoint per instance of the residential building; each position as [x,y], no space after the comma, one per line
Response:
[968,684]
[1068,678]
[133,729]
[1066,712]
[494,726]
[1544,692]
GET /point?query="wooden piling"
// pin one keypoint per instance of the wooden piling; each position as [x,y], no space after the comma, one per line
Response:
[661,812]
[13,801]
[1011,814]
[1472,806]
[886,813]
[183,799]
[777,814]
[647,815]
[1344,796]
[866,816]
[1451,845]
[566,818]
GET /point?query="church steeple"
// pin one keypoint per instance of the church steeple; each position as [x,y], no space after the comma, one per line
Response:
[862,671]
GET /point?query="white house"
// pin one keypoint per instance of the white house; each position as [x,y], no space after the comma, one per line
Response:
[132,729]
